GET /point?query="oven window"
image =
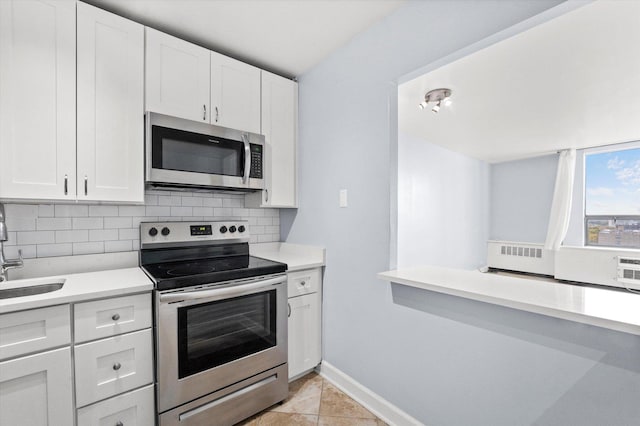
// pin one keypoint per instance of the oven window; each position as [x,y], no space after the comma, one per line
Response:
[192,152]
[219,332]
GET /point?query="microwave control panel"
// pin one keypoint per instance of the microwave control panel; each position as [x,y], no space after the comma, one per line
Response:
[255,171]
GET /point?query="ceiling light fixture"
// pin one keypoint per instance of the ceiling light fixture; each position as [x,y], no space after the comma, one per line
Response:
[437,96]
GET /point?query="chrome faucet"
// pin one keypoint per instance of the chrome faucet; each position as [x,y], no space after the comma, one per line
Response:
[6,264]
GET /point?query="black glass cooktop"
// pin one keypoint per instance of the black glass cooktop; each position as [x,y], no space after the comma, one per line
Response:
[170,275]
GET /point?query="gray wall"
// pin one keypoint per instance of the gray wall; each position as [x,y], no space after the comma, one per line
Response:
[521,196]
[347,134]
[443,197]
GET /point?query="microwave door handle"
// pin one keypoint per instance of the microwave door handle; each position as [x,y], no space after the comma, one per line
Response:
[247,157]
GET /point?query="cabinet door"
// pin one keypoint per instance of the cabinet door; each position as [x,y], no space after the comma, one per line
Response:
[304,333]
[110,107]
[36,390]
[37,101]
[235,94]
[177,77]
[279,125]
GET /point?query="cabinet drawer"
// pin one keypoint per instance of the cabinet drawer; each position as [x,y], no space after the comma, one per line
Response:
[303,282]
[108,317]
[111,366]
[133,408]
[34,330]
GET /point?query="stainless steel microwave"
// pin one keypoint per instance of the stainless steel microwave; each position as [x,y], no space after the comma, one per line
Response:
[189,154]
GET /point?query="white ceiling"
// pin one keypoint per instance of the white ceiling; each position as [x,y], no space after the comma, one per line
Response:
[288,37]
[573,81]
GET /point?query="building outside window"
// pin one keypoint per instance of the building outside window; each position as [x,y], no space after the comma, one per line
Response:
[612,198]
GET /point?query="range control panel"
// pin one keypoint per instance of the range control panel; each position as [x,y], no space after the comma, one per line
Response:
[176,233]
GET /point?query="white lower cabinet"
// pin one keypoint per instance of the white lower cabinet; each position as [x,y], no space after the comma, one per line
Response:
[305,325]
[35,390]
[132,408]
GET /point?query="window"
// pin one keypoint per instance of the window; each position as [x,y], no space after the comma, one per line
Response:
[612,198]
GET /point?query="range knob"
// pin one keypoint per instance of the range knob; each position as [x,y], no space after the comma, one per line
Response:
[232,229]
[223,229]
[165,231]
[153,232]
[241,228]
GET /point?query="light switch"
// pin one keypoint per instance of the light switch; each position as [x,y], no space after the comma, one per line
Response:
[343,198]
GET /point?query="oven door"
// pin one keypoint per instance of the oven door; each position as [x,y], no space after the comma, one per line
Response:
[210,338]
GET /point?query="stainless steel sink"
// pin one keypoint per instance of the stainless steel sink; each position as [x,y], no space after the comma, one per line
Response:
[30,290]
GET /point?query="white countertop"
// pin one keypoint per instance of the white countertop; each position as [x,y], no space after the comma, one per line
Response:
[616,310]
[296,256]
[78,287]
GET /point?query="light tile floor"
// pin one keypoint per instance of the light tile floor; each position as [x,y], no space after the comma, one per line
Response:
[314,401]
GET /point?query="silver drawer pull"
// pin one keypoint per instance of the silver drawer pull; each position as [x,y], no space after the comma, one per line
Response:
[288,310]
[117,366]
[119,423]
[115,317]
[303,283]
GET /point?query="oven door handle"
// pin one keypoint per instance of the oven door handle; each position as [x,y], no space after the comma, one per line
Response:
[220,292]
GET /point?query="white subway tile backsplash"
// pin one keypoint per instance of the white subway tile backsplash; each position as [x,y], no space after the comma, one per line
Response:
[131,210]
[192,201]
[149,200]
[181,211]
[158,210]
[114,246]
[103,235]
[28,252]
[46,210]
[103,211]
[88,222]
[77,236]
[129,234]
[36,237]
[68,210]
[53,223]
[225,212]
[212,202]
[117,222]
[88,248]
[52,250]
[169,200]
[47,230]
[265,221]
[203,211]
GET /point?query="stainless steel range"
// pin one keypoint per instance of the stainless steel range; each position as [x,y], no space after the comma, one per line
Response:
[220,323]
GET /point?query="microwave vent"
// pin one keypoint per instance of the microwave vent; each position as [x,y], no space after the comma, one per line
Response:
[521,251]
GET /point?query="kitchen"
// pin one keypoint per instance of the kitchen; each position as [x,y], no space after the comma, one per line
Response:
[346,105]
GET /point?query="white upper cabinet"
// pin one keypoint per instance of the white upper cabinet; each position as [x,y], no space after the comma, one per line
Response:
[110,148]
[235,94]
[37,101]
[279,125]
[177,77]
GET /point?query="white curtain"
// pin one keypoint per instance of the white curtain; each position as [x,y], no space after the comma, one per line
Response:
[561,205]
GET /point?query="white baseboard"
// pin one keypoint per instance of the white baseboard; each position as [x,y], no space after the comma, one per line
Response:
[370,400]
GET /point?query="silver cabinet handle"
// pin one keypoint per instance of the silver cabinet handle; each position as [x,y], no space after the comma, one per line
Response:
[288,310]
[66,184]
[204,112]
[247,158]
[115,317]
[266,192]
[117,366]
[303,283]
[119,423]
[85,185]
[217,114]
